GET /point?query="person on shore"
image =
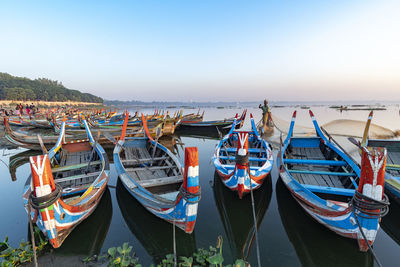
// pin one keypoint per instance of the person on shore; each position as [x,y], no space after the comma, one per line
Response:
[21,109]
[267,126]
[27,109]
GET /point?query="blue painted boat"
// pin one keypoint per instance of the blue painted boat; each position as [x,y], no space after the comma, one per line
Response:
[243,159]
[153,175]
[392,177]
[331,187]
[66,185]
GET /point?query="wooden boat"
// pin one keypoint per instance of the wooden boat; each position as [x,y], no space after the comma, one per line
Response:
[192,118]
[211,125]
[237,217]
[18,160]
[330,186]
[153,175]
[66,185]
[314,245]
[243,159]
[153,234]
[392,177]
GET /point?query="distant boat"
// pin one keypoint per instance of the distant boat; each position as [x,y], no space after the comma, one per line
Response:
[212,125]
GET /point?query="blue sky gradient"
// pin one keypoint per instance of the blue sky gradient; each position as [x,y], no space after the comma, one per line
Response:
[207,50]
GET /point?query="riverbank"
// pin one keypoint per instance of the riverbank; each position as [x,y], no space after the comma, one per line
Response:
[49,104]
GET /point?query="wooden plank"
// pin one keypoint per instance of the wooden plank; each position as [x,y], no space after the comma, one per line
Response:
[75,177]
[315,162]
[161,181]
[153,168]
[322,173]
[73,167]
[126,161]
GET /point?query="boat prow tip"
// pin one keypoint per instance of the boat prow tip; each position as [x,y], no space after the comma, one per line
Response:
[311,113]
[294,114]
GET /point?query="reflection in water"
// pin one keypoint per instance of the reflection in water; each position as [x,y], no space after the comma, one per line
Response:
[391,222]
[154,234]
[237,216]
[88,237]
[18,160]
[314,244]
[201,133]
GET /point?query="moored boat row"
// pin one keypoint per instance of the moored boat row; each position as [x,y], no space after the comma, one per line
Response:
[345,197]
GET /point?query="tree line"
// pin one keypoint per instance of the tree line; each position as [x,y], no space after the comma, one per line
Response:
[19,88]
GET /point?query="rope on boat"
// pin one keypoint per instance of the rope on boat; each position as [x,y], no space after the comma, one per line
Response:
[174,239]
[369,206]
[43,202]
[255,224]
[186,195]
[32,233]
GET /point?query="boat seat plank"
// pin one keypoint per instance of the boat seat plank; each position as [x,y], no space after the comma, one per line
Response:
[330,190]
[127,161]
[74,167]
[76,177]
[250,158]
[323,173]
[234,149]
[153,168]
[315,162]
[161,181]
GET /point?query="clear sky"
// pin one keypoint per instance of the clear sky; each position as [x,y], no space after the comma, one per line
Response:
[203,50]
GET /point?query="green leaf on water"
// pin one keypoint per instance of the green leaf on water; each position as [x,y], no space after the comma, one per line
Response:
[216,259]
[112,252]
[240,263]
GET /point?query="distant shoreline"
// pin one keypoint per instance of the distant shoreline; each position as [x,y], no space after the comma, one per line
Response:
[13,103]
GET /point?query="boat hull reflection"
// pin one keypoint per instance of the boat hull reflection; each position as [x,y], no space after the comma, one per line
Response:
[237,216]
[315,245]
[155,235]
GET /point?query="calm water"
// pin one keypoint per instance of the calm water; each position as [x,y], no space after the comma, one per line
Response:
[288,237]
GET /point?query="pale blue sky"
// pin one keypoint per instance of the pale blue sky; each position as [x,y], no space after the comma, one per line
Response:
[207,50]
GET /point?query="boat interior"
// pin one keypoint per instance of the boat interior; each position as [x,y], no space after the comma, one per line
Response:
[151,167]
[257,153]
[319,168]
[75,167]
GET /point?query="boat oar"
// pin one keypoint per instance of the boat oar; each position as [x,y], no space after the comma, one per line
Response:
[220,139]
[93,150]
[44,149]
[158,135]
[354,142]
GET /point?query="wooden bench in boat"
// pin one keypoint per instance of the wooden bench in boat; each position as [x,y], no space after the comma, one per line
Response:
[77,166]
[315,162]
[250,158]
[330,190]
[126,161]
[323,173]
[76,177]
[149,168]
[250,150]
[156,181]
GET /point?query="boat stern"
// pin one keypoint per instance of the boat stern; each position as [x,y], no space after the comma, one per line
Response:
[369,203]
